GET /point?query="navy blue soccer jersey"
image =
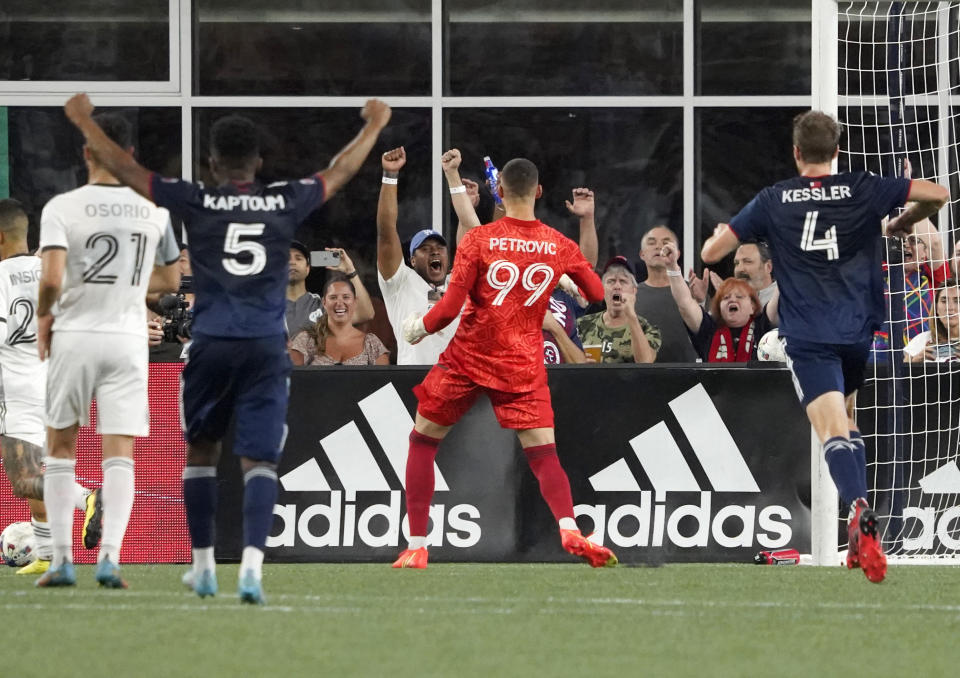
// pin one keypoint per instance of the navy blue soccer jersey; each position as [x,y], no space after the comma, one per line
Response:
[239,242]
[825,239]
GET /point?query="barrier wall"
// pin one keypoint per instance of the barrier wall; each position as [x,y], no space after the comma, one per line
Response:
[684,464]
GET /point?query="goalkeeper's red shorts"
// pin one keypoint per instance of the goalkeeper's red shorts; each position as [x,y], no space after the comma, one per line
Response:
[445,395]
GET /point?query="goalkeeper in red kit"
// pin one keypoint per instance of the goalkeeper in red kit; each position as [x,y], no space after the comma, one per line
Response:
[505,272]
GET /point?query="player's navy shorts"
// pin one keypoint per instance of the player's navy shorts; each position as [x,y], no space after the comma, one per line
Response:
[821,368]
[445,395]
[244,379]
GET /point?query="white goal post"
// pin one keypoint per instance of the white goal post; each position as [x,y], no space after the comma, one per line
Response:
[890,72]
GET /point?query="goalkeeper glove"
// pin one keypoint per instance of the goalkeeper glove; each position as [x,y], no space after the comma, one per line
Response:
[413,329]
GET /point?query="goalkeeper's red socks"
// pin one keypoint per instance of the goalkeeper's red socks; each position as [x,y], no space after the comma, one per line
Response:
[554,485]
[420,480]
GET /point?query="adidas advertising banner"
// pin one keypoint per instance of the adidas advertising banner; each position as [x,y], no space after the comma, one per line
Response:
[666,465]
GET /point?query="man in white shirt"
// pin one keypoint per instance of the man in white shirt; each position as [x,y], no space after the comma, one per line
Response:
[414,289]
[103,249]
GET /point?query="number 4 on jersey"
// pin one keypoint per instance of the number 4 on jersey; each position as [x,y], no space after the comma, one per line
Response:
[810,243]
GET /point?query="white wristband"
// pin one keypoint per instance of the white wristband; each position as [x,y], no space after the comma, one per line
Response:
[389,180]
[457,189]
[675,274]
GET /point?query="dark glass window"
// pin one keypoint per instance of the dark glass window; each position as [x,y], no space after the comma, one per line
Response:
[631,158]
[752,47]
[740,151]
[563,47]
[300,47]
[109,40]
[296,143]
[46,156]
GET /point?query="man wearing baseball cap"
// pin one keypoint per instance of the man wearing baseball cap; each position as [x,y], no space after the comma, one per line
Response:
[303,307]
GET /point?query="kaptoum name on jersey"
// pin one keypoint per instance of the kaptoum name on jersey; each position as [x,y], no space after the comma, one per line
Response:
[518,245]
[820,193]
[247,203]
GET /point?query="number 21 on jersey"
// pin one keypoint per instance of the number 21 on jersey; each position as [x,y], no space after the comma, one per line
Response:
[503,276]
[810,243]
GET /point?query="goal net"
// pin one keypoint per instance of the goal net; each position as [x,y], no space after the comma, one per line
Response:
[899,101]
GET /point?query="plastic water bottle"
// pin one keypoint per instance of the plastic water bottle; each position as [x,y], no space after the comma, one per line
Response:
[493,177]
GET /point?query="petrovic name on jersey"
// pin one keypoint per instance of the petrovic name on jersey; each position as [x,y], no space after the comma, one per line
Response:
[518,245]
[816,192]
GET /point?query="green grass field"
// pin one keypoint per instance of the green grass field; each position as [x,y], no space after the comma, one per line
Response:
[494,620]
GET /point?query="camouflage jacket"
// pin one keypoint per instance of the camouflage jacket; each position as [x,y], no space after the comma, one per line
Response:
[615,342]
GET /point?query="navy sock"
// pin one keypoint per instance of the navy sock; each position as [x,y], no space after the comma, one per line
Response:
[259,498]
[844,469]
[860,454]
[200,501]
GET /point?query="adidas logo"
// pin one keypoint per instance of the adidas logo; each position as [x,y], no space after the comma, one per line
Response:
[934,524]
[662,461]
[349,521]
[654,522]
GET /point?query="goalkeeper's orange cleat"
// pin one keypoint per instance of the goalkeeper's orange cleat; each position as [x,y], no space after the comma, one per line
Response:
[412,558]
[578,545]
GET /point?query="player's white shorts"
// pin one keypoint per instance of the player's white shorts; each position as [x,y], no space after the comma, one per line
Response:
[24,421]
[112,368]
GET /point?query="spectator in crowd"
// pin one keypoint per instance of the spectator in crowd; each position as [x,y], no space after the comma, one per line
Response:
[735,323]
[333,339]
[655,303]
[752,263]
[414,289]
[619,333]
[942,341]
[303,307]
[917,295]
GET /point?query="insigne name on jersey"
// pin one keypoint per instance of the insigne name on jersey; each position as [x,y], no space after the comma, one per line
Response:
[250,203]
[24,277]
[517,245]
[816,193]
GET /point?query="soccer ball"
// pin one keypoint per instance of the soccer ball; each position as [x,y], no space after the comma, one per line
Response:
[770,348]
[17,546]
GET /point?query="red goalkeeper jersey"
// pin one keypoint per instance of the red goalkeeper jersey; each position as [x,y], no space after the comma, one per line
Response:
[506,271]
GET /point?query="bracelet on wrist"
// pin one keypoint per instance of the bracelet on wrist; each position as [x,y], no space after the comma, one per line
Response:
[390,181]
[457,189]
[675,274]
[351,274]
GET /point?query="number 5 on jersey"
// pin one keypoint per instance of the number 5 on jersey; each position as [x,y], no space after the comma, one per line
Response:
[810,243]
[501,267]
[234,245]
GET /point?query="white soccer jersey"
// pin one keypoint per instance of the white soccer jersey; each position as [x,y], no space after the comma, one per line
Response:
[23,377]
[113,238]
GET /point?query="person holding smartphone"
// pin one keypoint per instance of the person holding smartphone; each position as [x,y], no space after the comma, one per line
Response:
[305,308]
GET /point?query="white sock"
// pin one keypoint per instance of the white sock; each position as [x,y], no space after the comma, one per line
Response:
[82,494]
[252,559]
[414,543]
[568,524]
[44,542]
[203,560]
[58,495]
[117,495]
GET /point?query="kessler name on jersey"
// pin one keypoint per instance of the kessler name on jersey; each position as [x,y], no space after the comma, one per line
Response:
[819,193]
[518,245]
[252,203]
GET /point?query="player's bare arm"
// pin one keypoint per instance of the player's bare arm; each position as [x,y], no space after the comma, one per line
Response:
[165,279]
[462,202]
[23,464]
[389,248]
[348,161]
[720,244]
[583,206]
[924,200]
[688,306]
[119,162]
[51,279]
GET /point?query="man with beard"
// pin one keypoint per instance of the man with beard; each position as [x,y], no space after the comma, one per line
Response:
[413,289]
[752,263]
